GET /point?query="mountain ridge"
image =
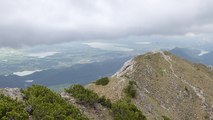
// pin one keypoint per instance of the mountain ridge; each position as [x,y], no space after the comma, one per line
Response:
[160,74]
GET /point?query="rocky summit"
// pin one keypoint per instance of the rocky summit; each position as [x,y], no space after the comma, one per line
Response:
[165,85]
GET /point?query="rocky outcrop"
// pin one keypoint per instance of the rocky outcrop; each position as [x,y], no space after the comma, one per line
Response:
[13,93]
[127,67]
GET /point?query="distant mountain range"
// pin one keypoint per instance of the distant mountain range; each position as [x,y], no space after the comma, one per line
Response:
[194,55]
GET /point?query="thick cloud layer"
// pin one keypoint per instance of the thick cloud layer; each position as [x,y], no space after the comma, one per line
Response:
[31,22]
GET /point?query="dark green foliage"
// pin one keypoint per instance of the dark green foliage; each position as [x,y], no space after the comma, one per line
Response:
[123,110]
[130,90]
[43,104]
[12,109]
[84,96]
[105,102]
[48,105]
[131,82]
[186,89]
[166,118]
[103,81]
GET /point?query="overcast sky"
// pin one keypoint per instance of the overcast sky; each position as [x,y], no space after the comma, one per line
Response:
[33,22]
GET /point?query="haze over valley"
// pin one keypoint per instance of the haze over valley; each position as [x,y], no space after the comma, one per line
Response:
[106,60]
[25,66]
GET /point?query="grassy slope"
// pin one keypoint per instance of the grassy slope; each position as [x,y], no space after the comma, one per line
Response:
[166,85]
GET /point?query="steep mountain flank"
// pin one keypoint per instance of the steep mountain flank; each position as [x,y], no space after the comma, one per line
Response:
[165,85]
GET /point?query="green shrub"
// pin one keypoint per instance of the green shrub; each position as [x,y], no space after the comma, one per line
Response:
[166,118]
[105,102]
[131,82]
[12,109]
[85,96]
[44,104]
[103,81]
[130,90]
[122,110]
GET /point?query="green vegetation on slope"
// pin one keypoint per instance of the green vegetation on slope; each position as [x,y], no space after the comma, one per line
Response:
[103,81]
[43,104]
[166,118]
[83,95]
[105,102]
[86,96]
[130,91]
[12,109]
[123,110]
